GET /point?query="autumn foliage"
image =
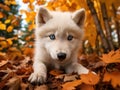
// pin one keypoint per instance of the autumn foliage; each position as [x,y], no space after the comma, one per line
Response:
[17,46]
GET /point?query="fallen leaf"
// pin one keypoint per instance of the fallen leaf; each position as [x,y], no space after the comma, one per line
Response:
[2,63]
[111,57]
[24,86]
[86,87]
[3,56]
[89,78]
[113,77]
[55,72]
[41,87]
[71,85]
[14,83]
[68,78]
[5,78]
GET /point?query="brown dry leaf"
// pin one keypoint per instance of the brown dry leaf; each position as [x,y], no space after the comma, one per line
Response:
[41,87]
[114,77]
[111,57]
[2,63]
[71,85]
[14,54]
[5,7]
[5,78]
[89,78]
[24,86]
[68,78]
[86,87]
[55,72]
[14,83]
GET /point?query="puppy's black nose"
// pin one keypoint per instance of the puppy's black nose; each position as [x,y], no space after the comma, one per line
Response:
[61,56]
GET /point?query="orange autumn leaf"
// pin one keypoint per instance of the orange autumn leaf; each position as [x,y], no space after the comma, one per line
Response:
[90,78]
[31,6]
[5,7]
[1,15]
[71,85]
[26,1]
[40,2]
[15,21]
[86,87]
[10,42]
[114,77]
[31,27]
[10,28]
[30,16]
[28,52]
[111,57]
[3,44]
[55,72]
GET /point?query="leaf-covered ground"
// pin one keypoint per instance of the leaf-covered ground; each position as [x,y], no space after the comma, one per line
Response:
[16,67]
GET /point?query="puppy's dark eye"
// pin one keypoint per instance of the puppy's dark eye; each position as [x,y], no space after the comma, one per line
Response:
[52,36]
[70,37]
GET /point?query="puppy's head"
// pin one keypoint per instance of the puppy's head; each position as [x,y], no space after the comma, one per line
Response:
[60,33]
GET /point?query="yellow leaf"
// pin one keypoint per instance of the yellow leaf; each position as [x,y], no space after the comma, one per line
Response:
[3,44]
[9,2]
[1,15]
[9,41]
[10,28]
[2,26]
[31,26]
[114,77]
[111,57]
[13,2]
[30,16]
[7,21]
[31,1]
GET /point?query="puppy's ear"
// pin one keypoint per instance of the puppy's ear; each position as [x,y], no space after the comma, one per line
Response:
[42,16]
[79,17]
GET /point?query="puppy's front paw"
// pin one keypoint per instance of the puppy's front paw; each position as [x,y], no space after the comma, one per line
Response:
[37,78]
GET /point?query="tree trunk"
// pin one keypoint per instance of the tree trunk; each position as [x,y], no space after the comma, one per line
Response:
[98,25]
[107,26]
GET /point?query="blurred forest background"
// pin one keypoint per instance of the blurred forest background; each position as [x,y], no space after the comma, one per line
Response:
[102,27]
[100,45]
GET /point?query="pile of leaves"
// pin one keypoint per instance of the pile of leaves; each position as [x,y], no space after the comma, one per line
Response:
[14,73]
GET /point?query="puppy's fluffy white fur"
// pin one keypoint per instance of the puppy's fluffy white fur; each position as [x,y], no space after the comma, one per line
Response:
[61,25]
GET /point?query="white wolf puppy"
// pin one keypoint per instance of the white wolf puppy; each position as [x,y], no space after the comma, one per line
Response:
[58,39]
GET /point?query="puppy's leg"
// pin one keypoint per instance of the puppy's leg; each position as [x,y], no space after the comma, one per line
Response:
[77,68]
[40,73]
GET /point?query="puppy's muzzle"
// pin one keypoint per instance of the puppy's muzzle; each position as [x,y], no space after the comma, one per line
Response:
[61,56]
